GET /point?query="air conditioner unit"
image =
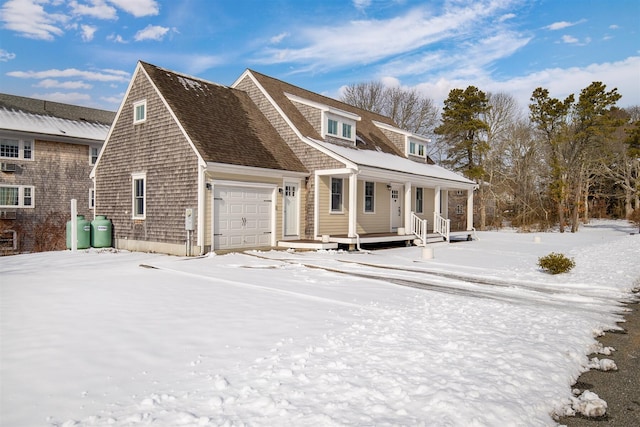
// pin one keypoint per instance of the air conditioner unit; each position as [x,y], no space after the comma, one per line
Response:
[8,214]
[8,167]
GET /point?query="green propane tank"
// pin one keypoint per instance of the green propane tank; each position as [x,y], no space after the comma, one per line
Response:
[101,232]
[84,233]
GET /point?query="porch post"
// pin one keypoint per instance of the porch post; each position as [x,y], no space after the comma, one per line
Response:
[407,208]
[445,204]
[353,205]
[436,200]
[469,209]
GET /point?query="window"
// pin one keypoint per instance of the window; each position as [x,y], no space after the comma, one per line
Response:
[459,209]
[336,194]
[332,128]
[369,196]
[139,196]
[346,130]
[419,200]
[139,111]
[339,126]
[93,154]
[417,149]
[92,198]
[16,196]
[16,149]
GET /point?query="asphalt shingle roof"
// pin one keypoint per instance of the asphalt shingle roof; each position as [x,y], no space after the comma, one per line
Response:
[223,123]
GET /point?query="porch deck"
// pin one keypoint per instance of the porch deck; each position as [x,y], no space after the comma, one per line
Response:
[365,239]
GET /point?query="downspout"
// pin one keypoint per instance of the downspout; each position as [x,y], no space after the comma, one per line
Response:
[202,196]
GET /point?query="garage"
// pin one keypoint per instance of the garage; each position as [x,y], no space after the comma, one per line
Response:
[242,217]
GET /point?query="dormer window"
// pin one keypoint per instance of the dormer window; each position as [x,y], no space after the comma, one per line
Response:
[339,126]
[417,148]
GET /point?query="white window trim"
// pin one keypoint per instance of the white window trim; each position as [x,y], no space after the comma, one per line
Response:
[92,198]
[134,178]
[21,204]
[91,148]
[417,144]
[364,198]
[331,211]
[21,144]
[135,107]
[342,120]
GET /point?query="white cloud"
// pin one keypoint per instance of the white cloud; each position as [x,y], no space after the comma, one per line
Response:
[88,32]
[199,63]
[569,39]
[6,56]
[138,8]
[51,83]
[361,4]
[367,41]
[614,27]
[506,17]
[278,38]
[29,19]
[563,24]
[102,76]
[117,38]
[560,82]
[151,32]
[97,9]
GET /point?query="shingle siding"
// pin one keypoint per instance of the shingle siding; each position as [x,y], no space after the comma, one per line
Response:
[158,148]
[311,158]
[58,172]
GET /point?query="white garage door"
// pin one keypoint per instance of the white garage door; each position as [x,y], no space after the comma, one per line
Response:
[242,217]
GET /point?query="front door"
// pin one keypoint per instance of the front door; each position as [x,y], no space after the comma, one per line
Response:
[291,215]
[396,207]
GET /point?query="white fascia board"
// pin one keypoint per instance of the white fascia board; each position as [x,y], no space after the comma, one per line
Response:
[406,133]
[303,138]
[116,118]
[418,180]
[324,107]
[336,172]
[253,171]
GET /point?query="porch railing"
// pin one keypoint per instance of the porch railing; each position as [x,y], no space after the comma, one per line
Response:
[441,225]
[419,228]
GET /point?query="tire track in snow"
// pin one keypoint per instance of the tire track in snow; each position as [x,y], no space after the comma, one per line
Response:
[464,286]
[263,288]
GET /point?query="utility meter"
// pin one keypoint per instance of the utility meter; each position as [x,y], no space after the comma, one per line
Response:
[188,219]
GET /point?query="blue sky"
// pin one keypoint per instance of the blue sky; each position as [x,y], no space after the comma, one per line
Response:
[84,51]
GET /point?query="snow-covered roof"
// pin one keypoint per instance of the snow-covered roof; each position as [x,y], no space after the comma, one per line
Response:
[390,162]
[21,121]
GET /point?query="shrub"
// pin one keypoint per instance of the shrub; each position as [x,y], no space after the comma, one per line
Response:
[556,263]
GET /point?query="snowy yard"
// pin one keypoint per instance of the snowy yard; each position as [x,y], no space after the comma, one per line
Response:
[476,336]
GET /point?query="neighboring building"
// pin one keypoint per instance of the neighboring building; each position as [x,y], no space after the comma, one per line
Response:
[190,164]
[47,151]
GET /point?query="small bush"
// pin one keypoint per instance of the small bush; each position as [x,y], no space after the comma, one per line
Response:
[556,263]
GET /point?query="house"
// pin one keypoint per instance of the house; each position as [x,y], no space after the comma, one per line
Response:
[190,166]
[47,151]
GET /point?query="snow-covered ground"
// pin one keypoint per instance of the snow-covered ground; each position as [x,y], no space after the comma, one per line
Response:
[476,336]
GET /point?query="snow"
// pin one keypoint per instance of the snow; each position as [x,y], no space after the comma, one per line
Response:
[49,125]
[378,159]
[476,336]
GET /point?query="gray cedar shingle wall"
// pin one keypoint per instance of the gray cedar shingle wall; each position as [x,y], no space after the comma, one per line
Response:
[311,158]
[158,148]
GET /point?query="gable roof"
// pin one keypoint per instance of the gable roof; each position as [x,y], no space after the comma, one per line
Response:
[54,119]
[369,136]
[223,123]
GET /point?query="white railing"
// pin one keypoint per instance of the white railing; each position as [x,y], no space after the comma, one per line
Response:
[441,226]
[419,228]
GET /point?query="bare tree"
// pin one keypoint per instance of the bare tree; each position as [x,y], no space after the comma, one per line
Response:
[409,109]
